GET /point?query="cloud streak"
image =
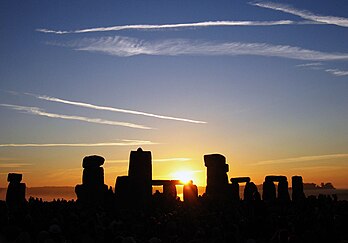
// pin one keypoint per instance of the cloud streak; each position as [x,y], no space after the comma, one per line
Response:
[122,142]
[125,47]
[303,159]
[40,112]
[171,26]
[339,21]
[337,72]
[312,64]
[13,165]
[113,109]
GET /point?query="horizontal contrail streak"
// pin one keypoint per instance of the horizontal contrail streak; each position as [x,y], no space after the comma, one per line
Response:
[303,159]
[122,143]
[126,46]
[106,108]
[337,72]
[313,64]
[171,26]
[14,165]
[340,21]
[40,112]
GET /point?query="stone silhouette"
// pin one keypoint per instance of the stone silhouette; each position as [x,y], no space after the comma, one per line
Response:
[235,186]
[297,188]
[140,174]
[217,180]
[190,193]
[15,195]
[136,188]
[169,187]
[251,192]
[269,189]
[93,191]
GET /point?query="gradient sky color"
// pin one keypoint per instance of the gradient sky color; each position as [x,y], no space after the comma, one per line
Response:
[263,83]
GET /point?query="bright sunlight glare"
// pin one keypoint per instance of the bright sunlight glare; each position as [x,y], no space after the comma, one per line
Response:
[183,176]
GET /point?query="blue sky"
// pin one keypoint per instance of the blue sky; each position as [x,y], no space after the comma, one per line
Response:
[255,81]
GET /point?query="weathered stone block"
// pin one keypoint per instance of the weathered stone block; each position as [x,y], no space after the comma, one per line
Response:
[297,188]
[14,177]
[92,161]
[93,176]
[275,178]
[240,179]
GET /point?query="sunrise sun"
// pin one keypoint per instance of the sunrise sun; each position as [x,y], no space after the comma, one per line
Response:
[183,176]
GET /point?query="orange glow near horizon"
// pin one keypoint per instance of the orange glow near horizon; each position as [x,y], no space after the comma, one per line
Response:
[48,169]
[184,176]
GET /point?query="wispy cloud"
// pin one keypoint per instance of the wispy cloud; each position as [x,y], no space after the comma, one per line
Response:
[340,21]
[14,165]
[171,26]
[337,72]
[113,109]
[15,171]
[40,112]
[121,143]
[312,64]
[125,47]
[316,168]
[302,159]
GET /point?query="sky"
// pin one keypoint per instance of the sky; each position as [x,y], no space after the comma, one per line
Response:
[263,83]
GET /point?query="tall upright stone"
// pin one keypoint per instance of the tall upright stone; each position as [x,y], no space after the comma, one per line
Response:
[93,191]
[217,180]
[136,188]
[15,195]
[269,193]
[283,191]
[190,192]
[251,192]
[297,188]
[140,174]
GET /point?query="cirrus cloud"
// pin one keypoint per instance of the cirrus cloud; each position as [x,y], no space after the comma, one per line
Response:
[126,47]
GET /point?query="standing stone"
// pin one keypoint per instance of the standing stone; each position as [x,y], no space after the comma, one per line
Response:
[190,193]
[140,175]
[297,189]
[268,191]
[15,195]
[122,188]
[235,186]
[283,191]
[217,180]
[235,191]
[93,191]
[169,191]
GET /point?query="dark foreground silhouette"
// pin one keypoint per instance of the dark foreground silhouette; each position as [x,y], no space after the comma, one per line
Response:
[133,214]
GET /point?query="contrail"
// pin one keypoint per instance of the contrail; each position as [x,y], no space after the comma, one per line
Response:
[171,26]
[106,108]
[339,21]
[122,143]
[40,112]
[126,46]
[337,72]
[14,165]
